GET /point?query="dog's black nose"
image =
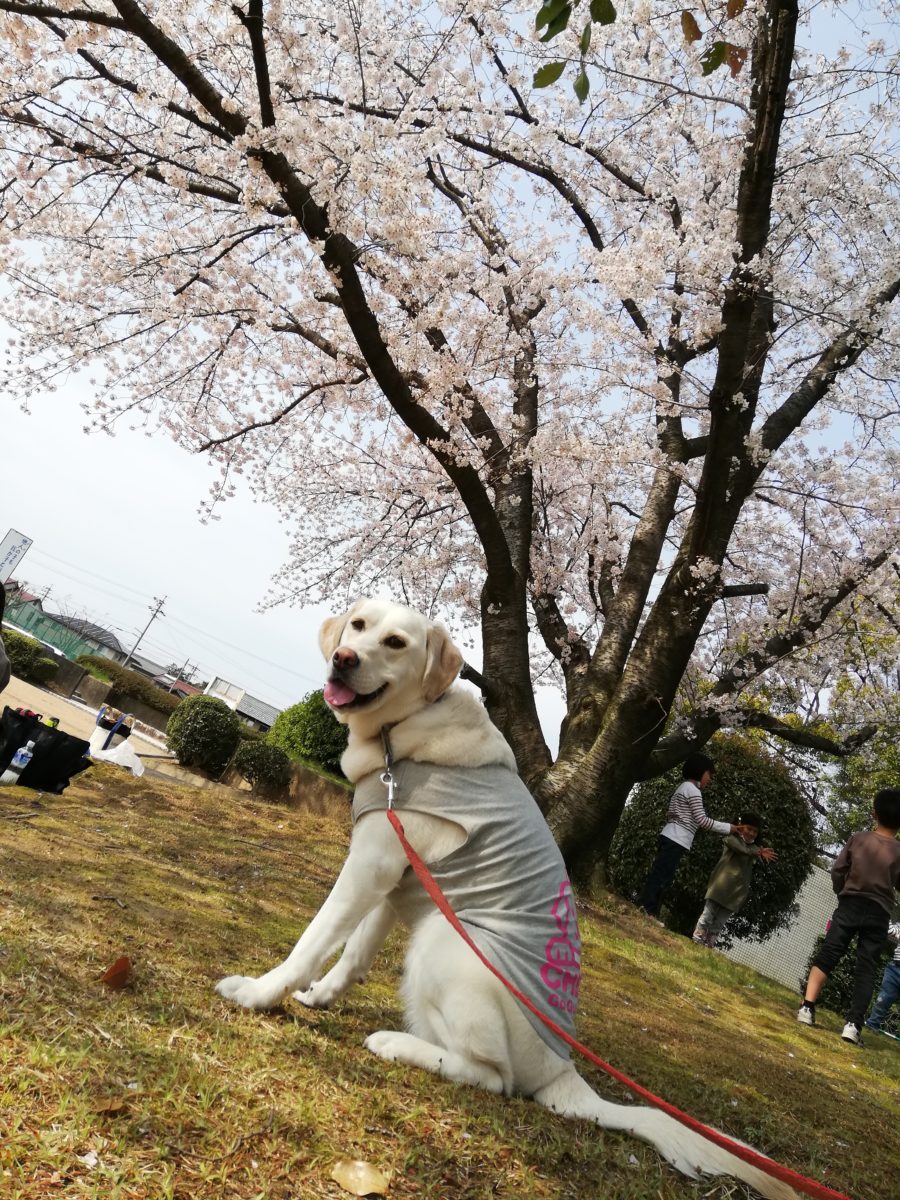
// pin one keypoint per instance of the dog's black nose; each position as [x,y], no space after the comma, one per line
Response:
[343,659]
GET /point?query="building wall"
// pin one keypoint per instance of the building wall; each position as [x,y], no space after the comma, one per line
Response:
[783,956]
[67,678]
[93,692]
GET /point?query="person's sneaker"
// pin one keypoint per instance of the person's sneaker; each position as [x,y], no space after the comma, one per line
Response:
[653,917]
[806,1015]
[852,1034]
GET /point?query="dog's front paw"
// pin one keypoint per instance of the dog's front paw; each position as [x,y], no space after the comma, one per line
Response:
[315,996]
[246,991]
[386,1043]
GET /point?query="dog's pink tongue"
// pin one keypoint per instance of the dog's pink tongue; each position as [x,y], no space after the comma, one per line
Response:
[338,693]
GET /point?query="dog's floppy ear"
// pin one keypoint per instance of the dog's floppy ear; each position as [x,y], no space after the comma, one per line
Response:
[330,635]
[442,663]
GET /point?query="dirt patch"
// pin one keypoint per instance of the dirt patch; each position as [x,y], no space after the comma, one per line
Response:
[73,718]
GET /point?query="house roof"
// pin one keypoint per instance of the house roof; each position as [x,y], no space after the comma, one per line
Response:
[146,665]
[18,595]
[89,630]
[257,710]
[180,687]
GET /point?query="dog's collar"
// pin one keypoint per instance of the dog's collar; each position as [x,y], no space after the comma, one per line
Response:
[387,777]
[386,743]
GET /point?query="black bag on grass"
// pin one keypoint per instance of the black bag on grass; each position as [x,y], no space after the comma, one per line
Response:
[56,756]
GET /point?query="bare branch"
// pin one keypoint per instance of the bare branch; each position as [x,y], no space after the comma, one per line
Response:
[250,426]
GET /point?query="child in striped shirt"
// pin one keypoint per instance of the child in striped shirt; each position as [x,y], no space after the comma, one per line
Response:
[685,816]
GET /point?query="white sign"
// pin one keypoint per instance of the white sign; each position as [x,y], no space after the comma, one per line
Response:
[12,551]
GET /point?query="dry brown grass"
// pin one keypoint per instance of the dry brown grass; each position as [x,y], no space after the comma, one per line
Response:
[163,1090]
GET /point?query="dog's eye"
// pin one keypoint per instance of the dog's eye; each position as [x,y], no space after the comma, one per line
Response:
[394,643]
[358,624]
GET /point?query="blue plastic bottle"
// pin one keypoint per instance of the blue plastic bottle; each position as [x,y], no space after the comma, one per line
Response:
[20,761]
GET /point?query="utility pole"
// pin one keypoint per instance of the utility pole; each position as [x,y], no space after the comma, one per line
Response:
[181,674]
[154,613]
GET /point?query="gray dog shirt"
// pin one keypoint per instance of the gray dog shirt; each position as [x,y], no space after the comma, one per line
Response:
[507,883]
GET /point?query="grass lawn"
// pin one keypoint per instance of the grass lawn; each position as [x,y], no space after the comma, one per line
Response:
[163,1090]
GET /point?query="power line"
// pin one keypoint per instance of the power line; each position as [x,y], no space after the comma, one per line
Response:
[154,613]
[84,571]
[239,650]
[105,591]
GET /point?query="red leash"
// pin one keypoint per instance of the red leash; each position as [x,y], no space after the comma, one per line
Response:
[808,1186]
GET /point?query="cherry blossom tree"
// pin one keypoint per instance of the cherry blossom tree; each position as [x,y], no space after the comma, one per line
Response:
[615,380]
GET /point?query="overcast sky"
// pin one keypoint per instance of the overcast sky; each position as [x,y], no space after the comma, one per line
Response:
[115,525]
[114,522]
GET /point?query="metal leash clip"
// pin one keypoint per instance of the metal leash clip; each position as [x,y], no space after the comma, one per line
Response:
[388,780]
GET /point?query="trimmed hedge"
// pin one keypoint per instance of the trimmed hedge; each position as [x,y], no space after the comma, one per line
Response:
[266,767]
[131,683]
[27,658]
[309,733]
[203,732]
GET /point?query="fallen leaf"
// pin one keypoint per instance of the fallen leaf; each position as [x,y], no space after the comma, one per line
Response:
[113,1106]
[360,1178]
[118,975]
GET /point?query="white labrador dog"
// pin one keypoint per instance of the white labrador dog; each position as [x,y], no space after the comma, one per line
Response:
[457,795]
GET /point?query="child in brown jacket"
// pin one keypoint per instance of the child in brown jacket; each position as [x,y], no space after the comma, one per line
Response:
[729,884]
[866,877]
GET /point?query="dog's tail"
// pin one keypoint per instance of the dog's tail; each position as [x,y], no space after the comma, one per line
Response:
[686,1150]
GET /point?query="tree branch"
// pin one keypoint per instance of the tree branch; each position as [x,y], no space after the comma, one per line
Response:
[730,590]
[304,395]
[843,353]
[51,12]
[808,735]
[253,22]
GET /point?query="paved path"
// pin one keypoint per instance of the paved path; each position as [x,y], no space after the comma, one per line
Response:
[74,718]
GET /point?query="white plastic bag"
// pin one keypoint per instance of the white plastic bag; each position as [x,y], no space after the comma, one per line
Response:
[122,755]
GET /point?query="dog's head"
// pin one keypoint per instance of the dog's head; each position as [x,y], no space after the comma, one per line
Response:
[386,662]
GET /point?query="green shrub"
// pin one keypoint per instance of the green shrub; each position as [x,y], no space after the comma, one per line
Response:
[746,777]
[129,683]
[268,768]
[308,732]
[838,987]
[203,732]
[27,659]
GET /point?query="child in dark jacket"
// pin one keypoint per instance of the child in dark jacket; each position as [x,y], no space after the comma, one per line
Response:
[729,884]
[865,876]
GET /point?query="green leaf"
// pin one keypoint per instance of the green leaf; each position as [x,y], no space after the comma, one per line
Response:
[548,74]
[714,57]
[603,12]
[549,12]
[585,43]
[582,85]
[558,24]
